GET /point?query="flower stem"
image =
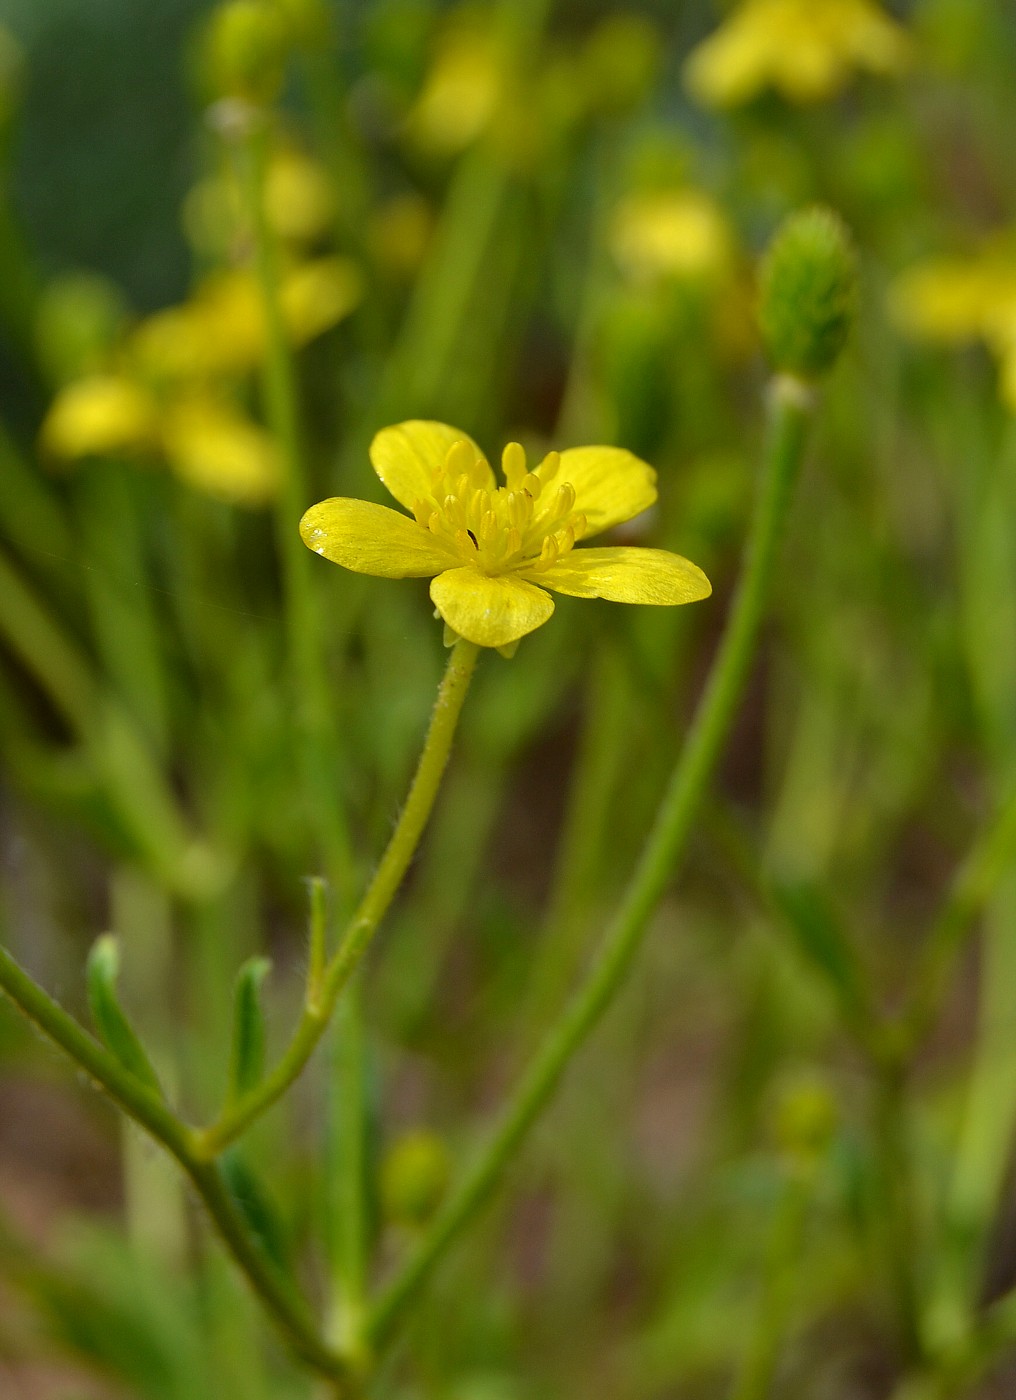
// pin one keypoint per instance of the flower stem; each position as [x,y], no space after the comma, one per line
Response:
[758,1368]
[322,999]
[146,1108]
[316,731]
[793,405]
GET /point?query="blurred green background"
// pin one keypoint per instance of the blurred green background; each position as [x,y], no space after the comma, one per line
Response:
[536,224]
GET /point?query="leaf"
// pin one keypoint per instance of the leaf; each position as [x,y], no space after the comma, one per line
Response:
[821,939]
[112,1025]
[252,1201]
[248,1060]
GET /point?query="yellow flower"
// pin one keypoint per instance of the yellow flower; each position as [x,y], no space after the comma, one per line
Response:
[493,551]
[98,415]
[952,300]
[299,203]
[211,446]
[806,49]
[461,93]
[221,329]
[670,233]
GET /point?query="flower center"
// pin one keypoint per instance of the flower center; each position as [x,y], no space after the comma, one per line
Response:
[527,523]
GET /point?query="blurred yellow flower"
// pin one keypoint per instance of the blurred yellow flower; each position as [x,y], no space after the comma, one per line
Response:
[461,93]
[400,231]
[299,202]
[492,551]
[212,446]
[101,413]
[670,234]
[221,329]
[951,300]
[201,435]
[805,49]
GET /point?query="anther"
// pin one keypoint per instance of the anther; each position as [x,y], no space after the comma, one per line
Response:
[532,485]
[513,464]
[549,467]
[460,459]
[564,501]
[422,511]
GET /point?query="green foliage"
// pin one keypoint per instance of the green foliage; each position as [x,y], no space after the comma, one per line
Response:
[248,1060]
[764,1151]
[110,1021]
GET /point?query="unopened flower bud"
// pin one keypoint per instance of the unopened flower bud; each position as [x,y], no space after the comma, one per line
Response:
[246,47]
[808,291]
[414,1178]
[805,1118]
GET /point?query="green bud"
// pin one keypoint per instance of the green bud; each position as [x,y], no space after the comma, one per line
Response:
[78,320]
[246,47]
[414,1178]
[808,291]
[805,1117]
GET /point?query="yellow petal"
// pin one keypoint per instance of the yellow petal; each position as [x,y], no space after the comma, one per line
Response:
[97,414]
[610,483]
[492,612]
[317,295]
[213,447]
[371,539]
[407,456]
[627,575]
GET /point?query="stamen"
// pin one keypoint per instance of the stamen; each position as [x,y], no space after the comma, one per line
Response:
[549,467]
[460,459]
[422,512]
[513,464]
[564,501]
[532,485]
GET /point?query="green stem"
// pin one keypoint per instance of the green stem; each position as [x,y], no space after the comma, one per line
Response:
[147,1109]
[347,1173]
[758,1368]
[896,1212]
[317,734]
[360,930]
[793,407]
[989,859]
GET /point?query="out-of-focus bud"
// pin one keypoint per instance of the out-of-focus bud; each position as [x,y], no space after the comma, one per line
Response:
[805,1118]
[245,51]
[308,20]
[78,319]
[103,413]
[462,92]
[808,293]
[620,62]
[414,1178]
[400,232]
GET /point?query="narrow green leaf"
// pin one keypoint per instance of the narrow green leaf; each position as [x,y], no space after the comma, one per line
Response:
[114,1029]
[252,1200]
[248,1028]
[824,943]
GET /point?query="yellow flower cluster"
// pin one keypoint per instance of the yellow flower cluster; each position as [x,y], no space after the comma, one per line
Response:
[492,551]
[805,49]
[950,300]
[675,233]
[172,388]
